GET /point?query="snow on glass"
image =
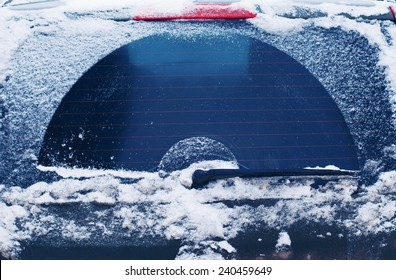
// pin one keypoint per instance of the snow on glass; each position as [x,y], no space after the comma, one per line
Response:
[74,37]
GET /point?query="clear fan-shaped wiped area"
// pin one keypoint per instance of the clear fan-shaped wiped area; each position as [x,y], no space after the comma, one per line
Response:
[253,101]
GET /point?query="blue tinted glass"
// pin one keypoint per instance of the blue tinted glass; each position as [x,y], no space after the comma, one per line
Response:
[170,101]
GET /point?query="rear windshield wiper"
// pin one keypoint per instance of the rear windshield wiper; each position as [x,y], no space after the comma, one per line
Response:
[202,177]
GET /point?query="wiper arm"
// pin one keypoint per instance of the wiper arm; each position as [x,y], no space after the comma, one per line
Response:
[202,177]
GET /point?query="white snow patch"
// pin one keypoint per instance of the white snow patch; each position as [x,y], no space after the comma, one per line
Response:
[13,30]
[283,242]
[67,172]
[327,167]
[226,246]
[75,232]
[9,232]
[276,24]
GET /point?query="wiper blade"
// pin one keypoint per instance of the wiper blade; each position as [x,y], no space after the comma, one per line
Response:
[5,2]
[202,177]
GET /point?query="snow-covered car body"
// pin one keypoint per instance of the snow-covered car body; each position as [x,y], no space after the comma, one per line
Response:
[82,104]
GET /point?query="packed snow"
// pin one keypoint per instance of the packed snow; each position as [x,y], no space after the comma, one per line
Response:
[42,54]
[283,242]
